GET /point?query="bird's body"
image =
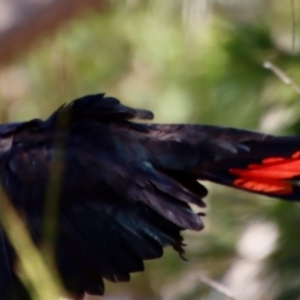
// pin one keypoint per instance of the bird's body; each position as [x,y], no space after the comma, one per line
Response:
[125,187]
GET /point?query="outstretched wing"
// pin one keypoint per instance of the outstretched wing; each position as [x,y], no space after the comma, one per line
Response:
[126,187]
[115,208]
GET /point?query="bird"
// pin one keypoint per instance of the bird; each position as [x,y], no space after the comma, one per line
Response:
[126,185]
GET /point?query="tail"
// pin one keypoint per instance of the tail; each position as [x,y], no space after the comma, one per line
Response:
[246,160]
[269,167]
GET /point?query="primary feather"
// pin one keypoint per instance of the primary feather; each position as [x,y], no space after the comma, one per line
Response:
[126,187]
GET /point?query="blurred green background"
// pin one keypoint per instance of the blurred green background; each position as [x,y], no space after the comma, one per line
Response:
[192,61]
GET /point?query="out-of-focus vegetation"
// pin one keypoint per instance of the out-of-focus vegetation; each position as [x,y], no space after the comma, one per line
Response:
[195,62]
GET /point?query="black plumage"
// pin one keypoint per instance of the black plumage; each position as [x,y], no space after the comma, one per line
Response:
[126,187]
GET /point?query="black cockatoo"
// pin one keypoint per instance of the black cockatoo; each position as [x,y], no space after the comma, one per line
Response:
[126,187]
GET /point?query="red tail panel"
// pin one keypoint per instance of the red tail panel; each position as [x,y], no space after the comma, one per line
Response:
[267,177]
[264,186]
[272,167]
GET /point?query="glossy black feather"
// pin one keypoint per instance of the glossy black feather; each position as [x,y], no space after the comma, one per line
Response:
[126,187]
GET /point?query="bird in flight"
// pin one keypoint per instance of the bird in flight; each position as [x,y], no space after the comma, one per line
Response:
[126,187]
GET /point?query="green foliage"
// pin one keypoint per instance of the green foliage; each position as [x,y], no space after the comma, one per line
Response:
[208,69]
